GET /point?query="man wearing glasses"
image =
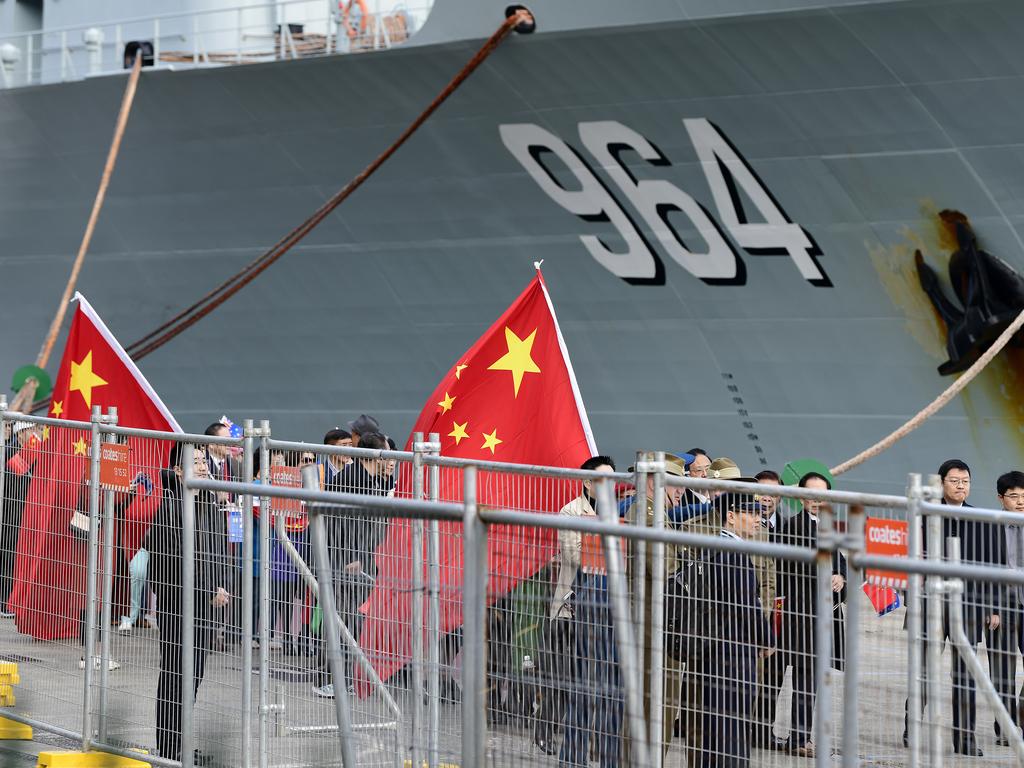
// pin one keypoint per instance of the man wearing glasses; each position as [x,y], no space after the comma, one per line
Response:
[1007,642]
[979,543]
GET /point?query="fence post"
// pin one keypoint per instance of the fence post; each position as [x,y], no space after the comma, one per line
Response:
[824,721]
[416,726]
[3,463]
[108,584]
[657,637]
[246,576]
[434,613]
[331,629]
[914,628]
[474,651]
[623,634]
[934,634]
[92,568]
[639,549]
[851,676]
[264,598]
[188,605]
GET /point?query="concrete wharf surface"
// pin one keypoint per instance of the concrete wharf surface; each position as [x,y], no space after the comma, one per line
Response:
[300,732]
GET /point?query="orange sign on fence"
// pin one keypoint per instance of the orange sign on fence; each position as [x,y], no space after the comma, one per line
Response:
[295,514]
[889,538]
[115,472]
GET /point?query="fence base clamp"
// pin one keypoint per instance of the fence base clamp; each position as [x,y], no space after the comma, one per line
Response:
[88,760]
[12,730]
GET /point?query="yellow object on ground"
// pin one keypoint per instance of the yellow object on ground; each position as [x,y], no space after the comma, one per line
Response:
[12,730]
[87,760]
[9,673]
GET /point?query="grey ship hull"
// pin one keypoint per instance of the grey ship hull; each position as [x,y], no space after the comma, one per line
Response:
[861,122]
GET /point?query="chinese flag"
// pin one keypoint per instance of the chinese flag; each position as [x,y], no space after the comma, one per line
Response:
[511,398]
[48,596]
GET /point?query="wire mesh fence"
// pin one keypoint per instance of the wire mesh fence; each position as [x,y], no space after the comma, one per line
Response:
[489,613]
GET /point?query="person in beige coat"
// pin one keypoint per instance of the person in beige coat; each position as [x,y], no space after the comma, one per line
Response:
[557,648]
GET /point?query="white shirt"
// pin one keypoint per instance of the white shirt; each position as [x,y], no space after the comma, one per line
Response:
[729,534]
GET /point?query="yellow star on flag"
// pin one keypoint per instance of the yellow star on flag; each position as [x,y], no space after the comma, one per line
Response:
[79,446]
[58,408]
[446,404]
[517,359]
[459,431]
[459,369]
[84,380]
[46,432]
[491,441]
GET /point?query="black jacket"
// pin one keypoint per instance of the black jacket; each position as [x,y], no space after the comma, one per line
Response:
[354,533]
[739,628]
[164,540]
[980,543]
[797,582]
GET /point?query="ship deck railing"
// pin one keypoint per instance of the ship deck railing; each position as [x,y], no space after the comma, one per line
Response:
[243,34]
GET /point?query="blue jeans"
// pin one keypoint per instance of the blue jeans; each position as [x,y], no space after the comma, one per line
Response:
[596,700]
[137,570]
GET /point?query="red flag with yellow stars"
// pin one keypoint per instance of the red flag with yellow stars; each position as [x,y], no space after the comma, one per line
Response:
[512,397]
[48,596]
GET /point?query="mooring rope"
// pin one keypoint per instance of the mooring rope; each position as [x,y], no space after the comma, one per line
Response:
[938,403]
[204,306]
[200,309]
[28,391]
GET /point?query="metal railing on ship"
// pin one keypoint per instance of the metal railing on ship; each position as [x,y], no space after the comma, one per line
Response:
[242,34]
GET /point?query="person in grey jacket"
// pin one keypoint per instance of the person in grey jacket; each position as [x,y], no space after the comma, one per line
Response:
[164,543]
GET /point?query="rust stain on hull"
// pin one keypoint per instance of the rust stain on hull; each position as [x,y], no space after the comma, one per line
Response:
[995,399]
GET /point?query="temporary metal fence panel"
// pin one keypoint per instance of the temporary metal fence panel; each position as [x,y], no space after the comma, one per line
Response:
[143,626]
[46,546]
[482,626]
[302,690]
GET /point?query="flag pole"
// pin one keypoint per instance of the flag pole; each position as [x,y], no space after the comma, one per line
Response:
[27,393]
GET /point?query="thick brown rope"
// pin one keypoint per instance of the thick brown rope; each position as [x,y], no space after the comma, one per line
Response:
[28,391]
[188,317]
[938,403]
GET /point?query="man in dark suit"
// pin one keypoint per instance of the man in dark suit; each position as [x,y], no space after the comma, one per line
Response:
[1006,643]
[797,586]
[164,543]
[353,536]
[738,634]
[979,543]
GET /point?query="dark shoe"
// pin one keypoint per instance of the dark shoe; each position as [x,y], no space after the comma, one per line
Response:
[968,747]
[1002,741]
[545,743]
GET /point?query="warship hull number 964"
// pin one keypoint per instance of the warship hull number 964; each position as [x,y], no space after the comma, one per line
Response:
[635,260]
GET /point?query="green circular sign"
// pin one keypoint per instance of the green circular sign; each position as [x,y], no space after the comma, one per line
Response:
[44,385]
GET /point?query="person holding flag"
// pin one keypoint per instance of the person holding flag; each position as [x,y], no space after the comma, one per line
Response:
[512,397]
[48,596]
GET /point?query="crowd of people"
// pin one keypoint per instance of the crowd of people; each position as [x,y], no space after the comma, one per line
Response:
[734,624]
[148,579]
